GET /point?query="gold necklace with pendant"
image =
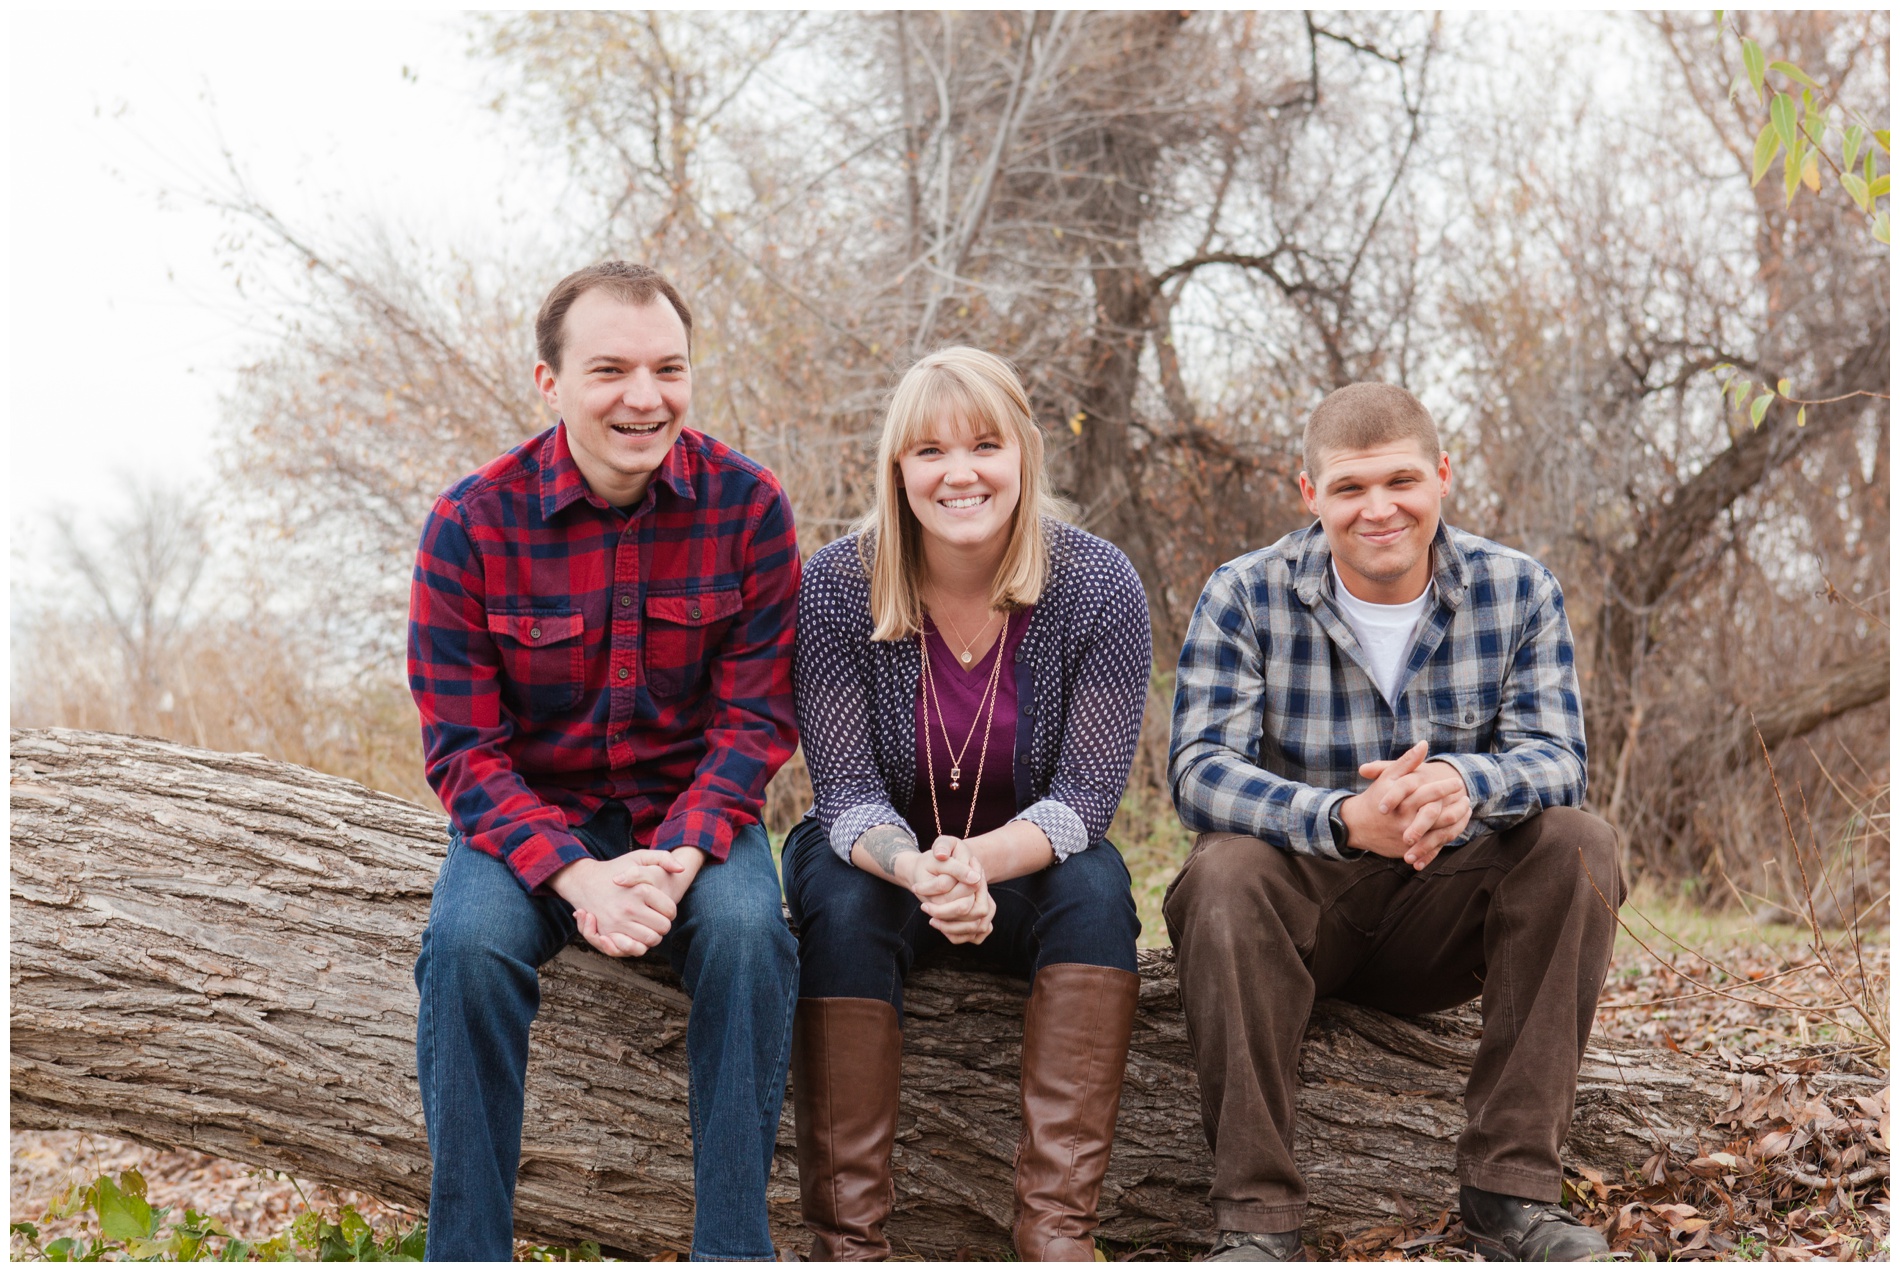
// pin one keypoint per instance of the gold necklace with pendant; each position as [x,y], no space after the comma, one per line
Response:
[966,655]
[985,707]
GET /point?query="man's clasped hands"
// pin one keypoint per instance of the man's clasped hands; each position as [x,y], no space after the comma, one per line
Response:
[1411,810]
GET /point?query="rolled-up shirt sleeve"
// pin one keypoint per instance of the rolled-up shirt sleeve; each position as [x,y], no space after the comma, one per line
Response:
[1103,699]
[835,709]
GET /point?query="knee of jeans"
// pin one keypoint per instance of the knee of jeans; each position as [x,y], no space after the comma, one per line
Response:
[468,947]
[745,929]
[1095,885]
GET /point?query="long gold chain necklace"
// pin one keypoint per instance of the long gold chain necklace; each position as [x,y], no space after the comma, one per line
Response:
[968,645]
[986,707]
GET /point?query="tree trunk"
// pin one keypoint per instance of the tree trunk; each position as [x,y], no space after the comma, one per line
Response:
[213,952]
[1668,536]
[1796,711]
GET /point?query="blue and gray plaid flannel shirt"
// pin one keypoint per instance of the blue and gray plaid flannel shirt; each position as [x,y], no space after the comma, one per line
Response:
[1274,709]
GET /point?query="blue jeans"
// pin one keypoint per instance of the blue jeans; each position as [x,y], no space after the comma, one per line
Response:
[858,936]
[480,988]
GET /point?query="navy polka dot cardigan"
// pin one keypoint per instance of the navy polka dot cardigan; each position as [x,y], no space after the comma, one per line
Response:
[1081,683]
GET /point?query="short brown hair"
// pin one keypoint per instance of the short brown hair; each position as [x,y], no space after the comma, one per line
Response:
[1360,416]
[623,280]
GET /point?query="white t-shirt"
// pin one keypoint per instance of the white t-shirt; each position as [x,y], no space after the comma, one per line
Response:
[1384,632]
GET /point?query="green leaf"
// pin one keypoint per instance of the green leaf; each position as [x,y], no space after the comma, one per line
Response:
[69,1203]
[1790,175]
[1850,146]
[1781,386]
[1815,125]
[1755,63]
[306,1228]
[1881,231]
[1801,418]
[1882,184]
[1740,392]
[415,1241]
[26,1230]
[1781,111]
[1882,136]
[123,1216]
[1759,407]
[132,1183]
[1793,72]
[1856,189]
[1767,142]
[60,1251]
[352,1224]
[1868,171]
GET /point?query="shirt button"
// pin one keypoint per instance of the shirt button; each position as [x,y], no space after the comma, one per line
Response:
[624,673]
[534,633]
[695,611]
[625,601]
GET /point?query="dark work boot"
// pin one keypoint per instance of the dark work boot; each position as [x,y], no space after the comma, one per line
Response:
[1257,1247]
[845,1061]
[1501,1226]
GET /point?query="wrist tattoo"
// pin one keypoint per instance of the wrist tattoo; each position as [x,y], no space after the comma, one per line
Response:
[885,844]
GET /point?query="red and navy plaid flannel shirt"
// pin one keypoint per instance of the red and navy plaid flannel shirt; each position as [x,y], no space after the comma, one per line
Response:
[563,653]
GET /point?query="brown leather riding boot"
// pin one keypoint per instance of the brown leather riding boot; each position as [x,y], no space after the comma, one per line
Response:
[1075,1044]
[845,1065]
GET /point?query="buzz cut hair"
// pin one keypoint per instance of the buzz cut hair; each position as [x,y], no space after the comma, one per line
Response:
[626,281]
[1361,416]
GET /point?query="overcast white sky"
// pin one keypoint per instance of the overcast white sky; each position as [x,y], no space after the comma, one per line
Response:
[124,327]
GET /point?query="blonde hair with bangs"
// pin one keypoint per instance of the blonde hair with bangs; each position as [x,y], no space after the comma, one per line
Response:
[982,392]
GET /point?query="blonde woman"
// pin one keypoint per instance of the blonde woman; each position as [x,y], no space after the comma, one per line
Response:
[970,679]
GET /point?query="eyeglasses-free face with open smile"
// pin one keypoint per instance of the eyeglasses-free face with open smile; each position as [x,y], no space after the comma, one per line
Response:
[963,485]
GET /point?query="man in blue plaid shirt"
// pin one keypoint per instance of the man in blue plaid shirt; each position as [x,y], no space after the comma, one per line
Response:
[1378,733]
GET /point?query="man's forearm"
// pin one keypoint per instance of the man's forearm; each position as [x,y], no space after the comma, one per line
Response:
[1510,786]
[1221,793]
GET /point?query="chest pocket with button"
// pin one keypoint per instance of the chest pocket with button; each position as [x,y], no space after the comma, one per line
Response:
[682,632]
[543,661]
[1463,720]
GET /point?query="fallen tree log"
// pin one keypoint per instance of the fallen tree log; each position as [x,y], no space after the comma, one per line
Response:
[213,952]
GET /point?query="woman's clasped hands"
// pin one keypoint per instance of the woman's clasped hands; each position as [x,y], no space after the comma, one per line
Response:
[953,889]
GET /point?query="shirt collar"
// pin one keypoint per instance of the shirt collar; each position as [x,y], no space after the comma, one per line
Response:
[562,483]
[1450,572]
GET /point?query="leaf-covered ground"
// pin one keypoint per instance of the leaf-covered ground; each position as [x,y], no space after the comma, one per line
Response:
[1793,1175]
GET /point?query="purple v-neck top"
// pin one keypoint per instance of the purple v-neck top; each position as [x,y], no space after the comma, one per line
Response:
[960,691]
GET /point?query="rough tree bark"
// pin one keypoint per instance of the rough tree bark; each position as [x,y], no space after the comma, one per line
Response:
[213,952]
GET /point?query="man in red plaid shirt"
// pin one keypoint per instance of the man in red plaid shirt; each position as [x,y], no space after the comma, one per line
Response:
[600,644]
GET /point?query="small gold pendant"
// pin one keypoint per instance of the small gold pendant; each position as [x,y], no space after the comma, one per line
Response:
[966,657]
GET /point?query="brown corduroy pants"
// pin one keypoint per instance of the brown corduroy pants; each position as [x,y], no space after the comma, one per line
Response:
[1522,920]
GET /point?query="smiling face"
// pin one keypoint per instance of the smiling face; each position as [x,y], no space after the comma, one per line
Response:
[622,388]
[962,485]
[1379,508]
